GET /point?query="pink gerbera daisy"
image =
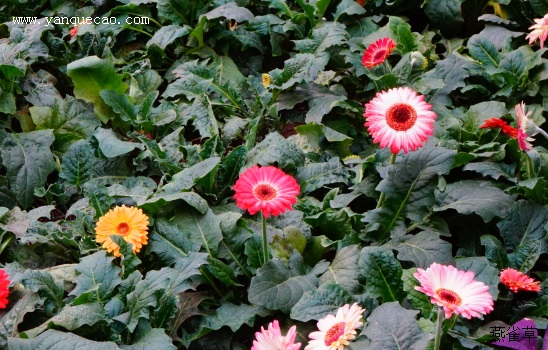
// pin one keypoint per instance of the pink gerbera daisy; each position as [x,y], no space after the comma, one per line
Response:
[266,189]
[523,121]
[336,331]
[272,338]
[4,290]
[539,30]
[377,52]
[454,290]
[400,119]
[516,280]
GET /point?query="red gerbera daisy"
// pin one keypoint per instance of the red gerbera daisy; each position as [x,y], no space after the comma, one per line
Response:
[266,189]
[400,119]
[4,291]
[377,52]
[495,123]
[516,280]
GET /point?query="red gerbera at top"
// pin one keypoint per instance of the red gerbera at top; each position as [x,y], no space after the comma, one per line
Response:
[4,291]
[516,280]
[400,119]
[266,189]
[378,52]
[495,123]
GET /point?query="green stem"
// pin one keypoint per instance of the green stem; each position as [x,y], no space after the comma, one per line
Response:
[381,198]
[437,340]
[265,241]
[529,166]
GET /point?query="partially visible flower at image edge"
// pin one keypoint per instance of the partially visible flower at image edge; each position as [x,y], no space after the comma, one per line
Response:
[336,331]
[400,119]
[129,222]
[516,280]
[495,123]
[266,189]
[524,141]
[272,338]
[539,30]
[4,290]
[378,52]
[454,290]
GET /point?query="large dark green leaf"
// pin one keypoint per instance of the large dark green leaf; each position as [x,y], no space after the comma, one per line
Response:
[77,164]
[343,269]
[53,339]
[316,175]
[98,276]
[28,160]
[11,319]
[276,149]
[202,230]
[112,146]
[166,35]
[318,303]
[169,241]
[526,255]
[494,251]
[382,272]
[423,249]
[484,51]
[185,179]
[445,14]
[525,222]
[419,300]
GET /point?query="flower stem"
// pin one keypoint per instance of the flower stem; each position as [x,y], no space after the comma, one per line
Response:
[265,241]
[437,340]
[542,132]
[381,198]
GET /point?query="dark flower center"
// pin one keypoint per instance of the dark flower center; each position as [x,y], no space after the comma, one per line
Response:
[123,228]
[401,117]
[265,192]
[380,55]
[449,296]
[334,333]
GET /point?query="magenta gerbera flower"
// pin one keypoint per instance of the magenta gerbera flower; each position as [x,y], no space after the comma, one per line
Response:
[378,52]
[266,189]
[523,133]
[539,31]
[516,280]
[454,290]
[4,290]
[400,119]
[336,331]
[272,338]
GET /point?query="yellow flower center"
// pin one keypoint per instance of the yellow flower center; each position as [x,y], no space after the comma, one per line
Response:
[265,192]
[123,228]
[401,116]
[266,79]
[449,296]
[334,333]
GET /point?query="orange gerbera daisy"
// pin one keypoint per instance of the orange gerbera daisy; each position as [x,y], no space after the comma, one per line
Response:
[516,280]
[128,222]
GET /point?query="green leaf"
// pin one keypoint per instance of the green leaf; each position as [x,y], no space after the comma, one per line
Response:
[383,273]
[302,66]
[343,270]
[445,14]
[452,71]
[98,198]
[494,251]
[525,256]
[11,319]
[69,119]
[231,11]
[111,146]
[120,104]
[349,7]
[28,160]
[493,170]
[525,222]
[202,230]
[419,300]
[316,175]
[276,149]
[405,39]
[276,287]
[77,164]
[169,241]
[222,272]
[392,327]
[483,270]
[130,261]
[90,75]
[138,189]
[318,303]
[151,339]
[423,249]
[253,249]
[158,201]
[185,179]
[42,282]
[231,165]
[322,101]
[7,103]
[484,51]
[323,37]
[409,186]
[98,276]
[167,35]
[193,80]
[470,196]
[52,339]
[202,116]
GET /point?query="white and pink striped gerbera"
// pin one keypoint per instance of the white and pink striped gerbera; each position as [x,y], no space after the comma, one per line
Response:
[266,189]
[539,31]
[454,290]
[400,119]
[272,338]
[524,139]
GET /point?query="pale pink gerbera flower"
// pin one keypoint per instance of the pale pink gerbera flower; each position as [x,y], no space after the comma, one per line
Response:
[272,338]
[378,52]
[266,189]
[400,119]
[454,290]
[539,30]
[516,280]
[336,331]
[523,125]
